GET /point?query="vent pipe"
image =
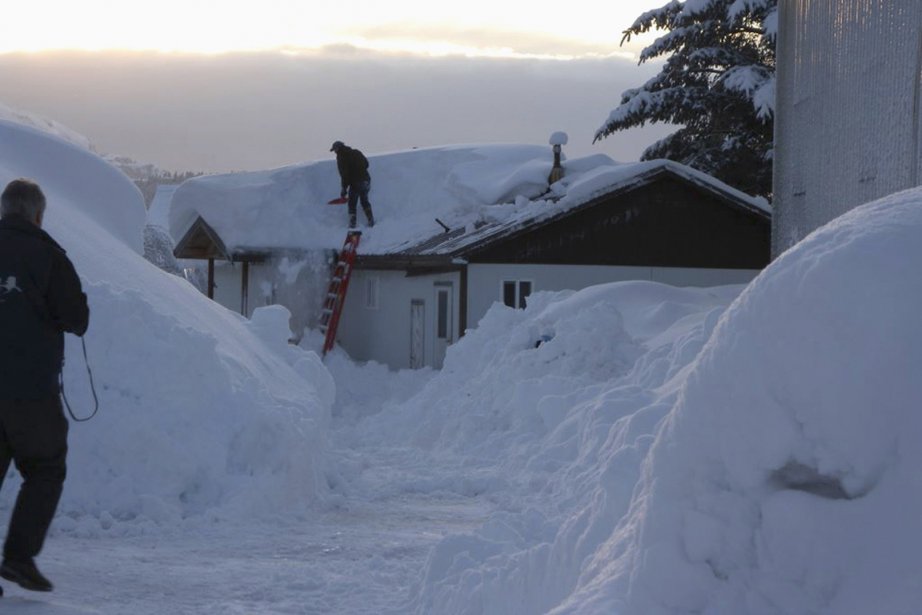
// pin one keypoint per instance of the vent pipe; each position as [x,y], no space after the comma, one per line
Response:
[557,140]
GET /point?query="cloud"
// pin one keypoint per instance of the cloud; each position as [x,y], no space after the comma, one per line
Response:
[260,110]
[486,42]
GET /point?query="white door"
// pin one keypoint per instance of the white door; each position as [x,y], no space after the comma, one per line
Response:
[417,333]
[444,320]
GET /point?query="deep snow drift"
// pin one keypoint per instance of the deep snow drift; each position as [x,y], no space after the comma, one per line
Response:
[201,411]
[774,472]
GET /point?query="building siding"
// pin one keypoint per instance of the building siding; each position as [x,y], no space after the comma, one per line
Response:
[847,126]
[383,334]
[667,223]
[485,281]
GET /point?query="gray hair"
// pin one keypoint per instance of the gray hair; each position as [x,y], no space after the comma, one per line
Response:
[23,197]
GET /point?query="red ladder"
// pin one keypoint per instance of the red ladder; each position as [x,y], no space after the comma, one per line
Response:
[336,291]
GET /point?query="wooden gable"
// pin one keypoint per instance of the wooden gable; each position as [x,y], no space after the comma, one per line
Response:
[201,242]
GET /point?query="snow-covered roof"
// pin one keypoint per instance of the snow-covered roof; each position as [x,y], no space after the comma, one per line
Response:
[567,196]
[45,125]
[112,203]
[158,214]
[482,189]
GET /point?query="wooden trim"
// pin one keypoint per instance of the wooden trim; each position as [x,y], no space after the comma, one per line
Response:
[404,262]
[462,303]
[201,241]
[211,278]
[250,256]
[245,287]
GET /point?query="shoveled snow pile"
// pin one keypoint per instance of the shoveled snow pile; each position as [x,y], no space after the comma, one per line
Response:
[660,455]
[201,412]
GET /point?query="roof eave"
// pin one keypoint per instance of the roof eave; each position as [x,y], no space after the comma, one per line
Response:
[638,181]
[186,248]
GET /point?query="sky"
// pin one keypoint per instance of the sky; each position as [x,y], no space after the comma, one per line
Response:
[261,85]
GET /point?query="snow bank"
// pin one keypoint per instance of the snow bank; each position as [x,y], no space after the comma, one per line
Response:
[769,467]
[785,477]
[201,412]
[515,375]
[99,193]
[45,125]
[534,397]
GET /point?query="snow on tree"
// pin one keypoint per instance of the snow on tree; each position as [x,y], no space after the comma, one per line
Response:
[158,249]
[717,83]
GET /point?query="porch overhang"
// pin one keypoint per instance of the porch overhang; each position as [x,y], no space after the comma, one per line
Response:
[201,242]
[412,264]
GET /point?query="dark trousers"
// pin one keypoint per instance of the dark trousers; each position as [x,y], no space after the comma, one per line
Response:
[33,434]
[357,191]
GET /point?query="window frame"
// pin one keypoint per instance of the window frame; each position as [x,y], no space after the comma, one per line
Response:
[372,292]
[519,299]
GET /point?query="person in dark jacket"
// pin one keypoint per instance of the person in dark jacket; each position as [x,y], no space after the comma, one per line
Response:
[353,171]
[40,298]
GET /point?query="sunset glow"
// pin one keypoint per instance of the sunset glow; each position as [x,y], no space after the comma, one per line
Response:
[578,28]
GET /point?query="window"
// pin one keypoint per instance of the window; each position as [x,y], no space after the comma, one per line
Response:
[371,293]
[515,292]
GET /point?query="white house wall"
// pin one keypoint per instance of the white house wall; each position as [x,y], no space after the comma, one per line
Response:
[847,125]
[485,281]
[297,286]
[227,285]
[383,334]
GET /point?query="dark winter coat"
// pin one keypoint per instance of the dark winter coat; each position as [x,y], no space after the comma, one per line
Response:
[40,299]
[352,165]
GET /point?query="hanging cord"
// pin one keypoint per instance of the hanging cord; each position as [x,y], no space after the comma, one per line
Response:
[89,373]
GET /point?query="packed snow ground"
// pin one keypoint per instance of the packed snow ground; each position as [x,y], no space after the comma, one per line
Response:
[631,448]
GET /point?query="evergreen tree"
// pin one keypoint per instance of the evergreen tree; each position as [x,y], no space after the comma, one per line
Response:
[718,83]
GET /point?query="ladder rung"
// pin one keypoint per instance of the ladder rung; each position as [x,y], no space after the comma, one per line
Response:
[339,279]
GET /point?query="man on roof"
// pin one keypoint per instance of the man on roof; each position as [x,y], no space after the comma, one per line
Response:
[356,182]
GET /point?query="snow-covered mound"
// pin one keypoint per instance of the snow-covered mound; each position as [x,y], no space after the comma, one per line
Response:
[785,478]
[45,125]
[200,410]
[775,471]
[516,375]
[99,194]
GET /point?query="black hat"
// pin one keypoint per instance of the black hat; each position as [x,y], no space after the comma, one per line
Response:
[336,145]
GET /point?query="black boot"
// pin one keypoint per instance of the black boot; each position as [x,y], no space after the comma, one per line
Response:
[351,220]
[26,575]
[369,216]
